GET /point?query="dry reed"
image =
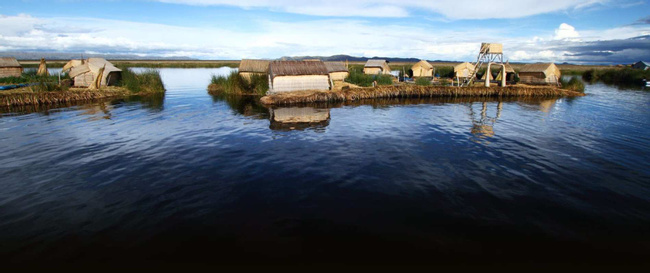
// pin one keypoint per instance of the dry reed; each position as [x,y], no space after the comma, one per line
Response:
[58,97]
[414,91]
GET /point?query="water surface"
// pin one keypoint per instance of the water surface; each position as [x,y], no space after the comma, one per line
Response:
[191,177]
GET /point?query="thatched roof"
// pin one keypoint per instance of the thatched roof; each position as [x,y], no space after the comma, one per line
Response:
[336,67]
[9,62]
[93,65]
[255,66]
[72,63]
[546,68]
[296,68]
[376,63]
[423,63]
[464,65]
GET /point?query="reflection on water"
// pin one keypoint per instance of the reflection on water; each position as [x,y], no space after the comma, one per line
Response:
[190,177]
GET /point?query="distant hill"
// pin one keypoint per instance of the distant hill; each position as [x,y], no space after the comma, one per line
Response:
[69,56]
[335,58]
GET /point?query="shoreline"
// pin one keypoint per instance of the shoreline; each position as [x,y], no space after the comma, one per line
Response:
[411,91]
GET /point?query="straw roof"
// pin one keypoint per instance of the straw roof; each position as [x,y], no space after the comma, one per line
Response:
[72,63]
[257,66]
[546,68]
[376,63]
[336,67]
[94,65]
[423,63]
[296,68]
[9,62]
[464,65]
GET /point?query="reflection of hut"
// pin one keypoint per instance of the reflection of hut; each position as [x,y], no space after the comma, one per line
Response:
[464,70]
[299,118]
[9,67]
[375,67]
[540,73]
[641,65]
[510,73]
[422,69]
[337,70]
[288,76]
[88,71]
[253,67]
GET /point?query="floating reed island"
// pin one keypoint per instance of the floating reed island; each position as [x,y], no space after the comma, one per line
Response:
[84,80]
[414,91]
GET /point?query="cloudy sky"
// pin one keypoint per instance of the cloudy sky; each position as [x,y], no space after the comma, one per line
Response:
[577,31]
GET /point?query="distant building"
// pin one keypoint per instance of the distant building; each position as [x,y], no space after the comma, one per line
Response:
[422,69]
[337,70]
[641,65]
[464,70]
[288,76]
[85,72]
[247,68]
[9,67]
[376,67]
[540,73]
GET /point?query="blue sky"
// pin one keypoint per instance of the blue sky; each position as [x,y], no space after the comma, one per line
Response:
[579,31]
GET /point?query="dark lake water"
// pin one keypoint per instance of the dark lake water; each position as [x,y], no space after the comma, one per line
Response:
[189,177]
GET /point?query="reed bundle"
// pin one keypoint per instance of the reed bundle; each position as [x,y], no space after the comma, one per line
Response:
[414,91]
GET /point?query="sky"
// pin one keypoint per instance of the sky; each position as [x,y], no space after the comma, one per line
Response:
[574,31]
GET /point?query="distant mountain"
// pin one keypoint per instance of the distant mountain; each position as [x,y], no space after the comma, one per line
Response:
[335,58]
[69,56]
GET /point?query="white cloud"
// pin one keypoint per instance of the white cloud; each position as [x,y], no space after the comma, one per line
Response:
[566,32]
[271,39]
[455,9]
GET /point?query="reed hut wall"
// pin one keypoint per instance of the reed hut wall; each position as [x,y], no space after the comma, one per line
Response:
[288,76]
[463,70]
[339,76]
[375,67]
[84,75]
[540,73]
[9,67]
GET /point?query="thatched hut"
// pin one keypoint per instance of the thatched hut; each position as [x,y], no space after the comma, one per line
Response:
[247,68]
[375,67]
[422,69]
[85,73]
[9,67]
[337,70]
[288,76]
[464,70]
[540,73]
[641,65]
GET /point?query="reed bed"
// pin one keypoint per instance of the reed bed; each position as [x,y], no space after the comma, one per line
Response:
[18,98]
[235,84]
[413,91]
[148,81]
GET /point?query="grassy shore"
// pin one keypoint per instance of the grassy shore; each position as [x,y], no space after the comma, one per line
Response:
[415,91]
[147,63]
[625,76]
[235,84]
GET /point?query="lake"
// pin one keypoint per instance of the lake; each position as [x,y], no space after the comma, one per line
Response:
[188,177]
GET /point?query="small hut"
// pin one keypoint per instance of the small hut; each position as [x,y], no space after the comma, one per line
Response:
[510,73]
[247,68]
[87,72]
[375,67]
[42,68]
[463,70]
[641,65]
[540,73]
[337,70]
[288,76]
[9,67]
[422,69]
